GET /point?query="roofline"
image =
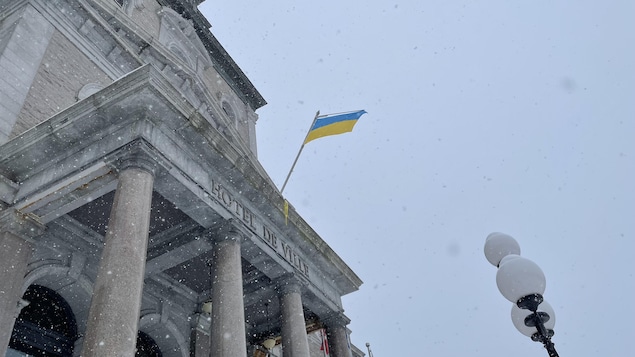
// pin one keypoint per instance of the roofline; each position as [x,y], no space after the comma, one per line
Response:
[223,61]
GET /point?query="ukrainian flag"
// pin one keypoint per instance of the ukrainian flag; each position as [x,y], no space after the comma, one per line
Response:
[333,124]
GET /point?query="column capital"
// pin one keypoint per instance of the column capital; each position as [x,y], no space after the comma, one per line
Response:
[23,225]
[141,162]
[288,283]
[335,319]
[225,232]
[137,155]
[338,334]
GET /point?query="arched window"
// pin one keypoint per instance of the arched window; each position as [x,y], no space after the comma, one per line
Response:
[229,110]
[46,326]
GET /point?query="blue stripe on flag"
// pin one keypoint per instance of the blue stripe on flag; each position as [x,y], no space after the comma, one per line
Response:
[328,120]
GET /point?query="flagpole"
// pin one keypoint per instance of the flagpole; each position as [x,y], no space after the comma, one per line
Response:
[299,152]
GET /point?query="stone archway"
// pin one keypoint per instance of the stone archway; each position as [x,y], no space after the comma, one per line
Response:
[46,326]
[168,338]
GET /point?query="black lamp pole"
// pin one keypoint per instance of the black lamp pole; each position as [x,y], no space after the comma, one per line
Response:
[522,282]
[537,319]
[370,353]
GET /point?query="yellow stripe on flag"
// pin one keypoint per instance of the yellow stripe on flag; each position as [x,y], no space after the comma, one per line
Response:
[341,127]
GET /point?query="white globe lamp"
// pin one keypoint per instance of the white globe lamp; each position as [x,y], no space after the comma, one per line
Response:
[518,278]
[498,245]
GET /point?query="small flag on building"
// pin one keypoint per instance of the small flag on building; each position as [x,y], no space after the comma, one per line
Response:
[333,124]
[325,343]
[286,211]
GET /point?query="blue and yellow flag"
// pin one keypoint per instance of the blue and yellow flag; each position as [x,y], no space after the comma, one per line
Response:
[333,124]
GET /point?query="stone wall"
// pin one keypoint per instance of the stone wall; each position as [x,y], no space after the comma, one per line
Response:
[63,72]
[24,37]
[39,79]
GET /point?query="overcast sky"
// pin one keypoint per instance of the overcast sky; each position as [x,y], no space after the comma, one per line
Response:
[485,116]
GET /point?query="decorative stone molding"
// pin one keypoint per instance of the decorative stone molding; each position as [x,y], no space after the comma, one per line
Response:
[176,49]
[180,37]
[150,322]
[40,274]
[89,89]
[23,225]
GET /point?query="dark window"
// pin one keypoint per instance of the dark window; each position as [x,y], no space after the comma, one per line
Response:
[146,347]
[227,108]
[45,327]
[120,2]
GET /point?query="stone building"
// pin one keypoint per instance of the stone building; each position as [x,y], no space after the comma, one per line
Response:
[135,217]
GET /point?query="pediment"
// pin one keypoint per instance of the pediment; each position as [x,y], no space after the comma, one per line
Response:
[179,36]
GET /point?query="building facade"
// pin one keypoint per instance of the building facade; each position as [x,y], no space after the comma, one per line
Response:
[135,218]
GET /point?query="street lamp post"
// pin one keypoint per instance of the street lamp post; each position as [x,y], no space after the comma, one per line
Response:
[370,353]
[522,282]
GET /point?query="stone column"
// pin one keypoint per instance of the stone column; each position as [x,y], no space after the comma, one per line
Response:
[114,311]
[294,338]
[228,308]
[337,333]
[13,267]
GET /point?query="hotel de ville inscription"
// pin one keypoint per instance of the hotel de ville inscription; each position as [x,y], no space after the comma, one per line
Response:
[260,229]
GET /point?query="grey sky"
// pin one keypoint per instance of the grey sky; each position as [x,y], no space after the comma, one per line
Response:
[492,116]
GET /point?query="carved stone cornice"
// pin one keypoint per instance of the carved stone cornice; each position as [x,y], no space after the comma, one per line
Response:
[22,225]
